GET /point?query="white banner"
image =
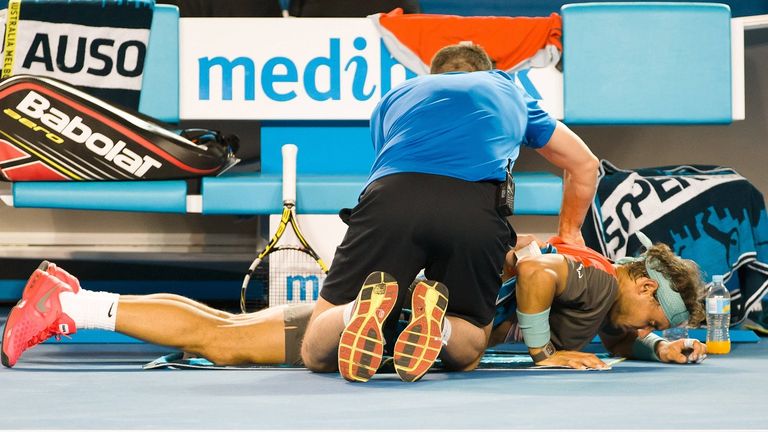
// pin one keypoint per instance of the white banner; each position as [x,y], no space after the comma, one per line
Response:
[80,55]
[300,69]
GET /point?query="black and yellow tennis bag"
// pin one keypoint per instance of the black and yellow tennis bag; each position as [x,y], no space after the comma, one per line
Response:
[52,131]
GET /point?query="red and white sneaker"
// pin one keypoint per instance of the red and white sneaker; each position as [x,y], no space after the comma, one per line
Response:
[61,274]
[419,344]
[361,347]
[36,317]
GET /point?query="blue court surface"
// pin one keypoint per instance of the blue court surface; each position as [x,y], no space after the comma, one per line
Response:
[103,386]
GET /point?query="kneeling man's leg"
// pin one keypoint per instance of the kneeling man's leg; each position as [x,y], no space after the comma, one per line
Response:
[465,346]
[321,341]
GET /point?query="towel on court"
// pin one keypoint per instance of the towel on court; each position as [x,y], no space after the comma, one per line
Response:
[179,360]
[513,43]
[98,46]
[503,360]
[758,327]
[709,214]
[492,360]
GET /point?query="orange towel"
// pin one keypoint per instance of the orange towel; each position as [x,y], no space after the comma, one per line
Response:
[509,41]
[583,254]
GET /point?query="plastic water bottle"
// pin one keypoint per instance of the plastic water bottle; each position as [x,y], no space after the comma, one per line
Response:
[718,317]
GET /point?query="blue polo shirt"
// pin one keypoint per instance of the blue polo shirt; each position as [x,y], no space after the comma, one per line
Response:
[457,124]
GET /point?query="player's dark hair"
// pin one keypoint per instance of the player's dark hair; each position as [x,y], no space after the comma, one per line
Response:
[466,57]
[683,273]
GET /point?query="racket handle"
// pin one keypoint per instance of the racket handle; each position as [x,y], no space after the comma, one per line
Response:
[289,173]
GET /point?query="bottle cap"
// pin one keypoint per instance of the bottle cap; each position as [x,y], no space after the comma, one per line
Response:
[717,278]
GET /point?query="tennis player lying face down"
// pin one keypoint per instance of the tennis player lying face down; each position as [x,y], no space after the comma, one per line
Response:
[557,302]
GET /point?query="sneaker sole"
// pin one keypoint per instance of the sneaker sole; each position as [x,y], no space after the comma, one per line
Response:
[4,358]
[361,346]
[419,344]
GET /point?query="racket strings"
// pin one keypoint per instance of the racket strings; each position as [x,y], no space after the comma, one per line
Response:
[256,295]
[294,276]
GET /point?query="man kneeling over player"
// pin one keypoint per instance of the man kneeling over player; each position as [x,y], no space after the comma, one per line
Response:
[559,301]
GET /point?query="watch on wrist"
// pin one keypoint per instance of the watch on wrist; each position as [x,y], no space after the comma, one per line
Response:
[544,353]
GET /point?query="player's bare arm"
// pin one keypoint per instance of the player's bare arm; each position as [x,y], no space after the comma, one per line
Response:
[621,344]
[539,280]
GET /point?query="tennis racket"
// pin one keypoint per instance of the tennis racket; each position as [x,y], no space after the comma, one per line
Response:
[295,270]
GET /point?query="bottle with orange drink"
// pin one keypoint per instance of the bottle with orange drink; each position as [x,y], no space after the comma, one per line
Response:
[718,305]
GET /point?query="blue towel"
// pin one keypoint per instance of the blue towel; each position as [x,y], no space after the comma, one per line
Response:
[709,214]
[98,46]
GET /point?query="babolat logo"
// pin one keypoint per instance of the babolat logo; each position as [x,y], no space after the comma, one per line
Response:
[36,113]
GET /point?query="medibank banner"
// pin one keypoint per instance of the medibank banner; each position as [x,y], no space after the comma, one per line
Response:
[300,69]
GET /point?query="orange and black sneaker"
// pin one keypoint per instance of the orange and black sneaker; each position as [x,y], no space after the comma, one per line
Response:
[361,346]
[419,344]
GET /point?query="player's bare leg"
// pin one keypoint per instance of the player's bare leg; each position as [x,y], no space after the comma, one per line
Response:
[193,303]
[171,321]
[260,339]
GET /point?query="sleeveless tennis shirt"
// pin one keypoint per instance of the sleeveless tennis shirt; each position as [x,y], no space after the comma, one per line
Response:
[581,309]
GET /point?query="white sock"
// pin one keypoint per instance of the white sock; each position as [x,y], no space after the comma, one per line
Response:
[91,309]
[446,331]
[348,309]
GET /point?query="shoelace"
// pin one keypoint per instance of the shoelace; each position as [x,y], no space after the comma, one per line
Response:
[44,335]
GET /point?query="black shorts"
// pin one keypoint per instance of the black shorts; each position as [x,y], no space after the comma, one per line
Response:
[407,222]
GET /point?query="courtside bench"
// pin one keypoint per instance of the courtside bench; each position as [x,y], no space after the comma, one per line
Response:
[334,158]
[332,168]
[246,194]
[674,67]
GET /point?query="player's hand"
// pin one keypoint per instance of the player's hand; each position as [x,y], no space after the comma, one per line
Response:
[681,351]
[574,360]
[510,261]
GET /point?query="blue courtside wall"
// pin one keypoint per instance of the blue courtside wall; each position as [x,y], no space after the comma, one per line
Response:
[159,94]
[11,289]
[647,63]
[325,147]
[545,7]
